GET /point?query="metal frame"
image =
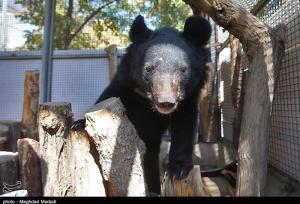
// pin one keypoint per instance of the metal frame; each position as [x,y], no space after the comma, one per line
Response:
[46,71]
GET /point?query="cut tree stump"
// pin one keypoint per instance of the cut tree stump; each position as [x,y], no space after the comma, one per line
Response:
[86,175]
[12,135]
[30,166]
[190,186]
[9,172]
[30,105]
[67,165]
[120,149]
[54,122]
[2,143]
[4,134]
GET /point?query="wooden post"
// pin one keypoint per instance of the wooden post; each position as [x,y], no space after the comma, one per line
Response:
[237,87]
[190,186]
[54,122]
[86,176]
[264,48]
[4,134]
[67,165]
[9,172]
[11,131]
[30,168]
[207,106]
[112,60]
[2,143]
[119,147]
[30,105]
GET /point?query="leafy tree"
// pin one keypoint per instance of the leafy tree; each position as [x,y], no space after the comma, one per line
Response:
[95,23]
[170,13]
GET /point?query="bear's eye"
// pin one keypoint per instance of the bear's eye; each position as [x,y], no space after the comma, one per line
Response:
[183,69]
[149,68]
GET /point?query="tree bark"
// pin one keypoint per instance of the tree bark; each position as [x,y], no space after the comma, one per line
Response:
[4,134]
[85,174]
[9,172]
[54,122]
[11,131]
[207,108]
[68,166]
[264,49]
[30,105]
[30,166]
[119,148]
[2,143]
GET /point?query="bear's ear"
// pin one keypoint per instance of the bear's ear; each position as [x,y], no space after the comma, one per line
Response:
[139,31]
[197,30]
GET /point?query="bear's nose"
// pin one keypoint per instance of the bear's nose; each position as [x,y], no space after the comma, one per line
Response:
[166,104]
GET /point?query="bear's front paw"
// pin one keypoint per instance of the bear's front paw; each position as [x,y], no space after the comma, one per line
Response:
[179,170]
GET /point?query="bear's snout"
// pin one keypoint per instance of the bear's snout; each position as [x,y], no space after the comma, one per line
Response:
[165,92]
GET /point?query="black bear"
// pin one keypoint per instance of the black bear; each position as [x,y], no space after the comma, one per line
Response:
[158,81]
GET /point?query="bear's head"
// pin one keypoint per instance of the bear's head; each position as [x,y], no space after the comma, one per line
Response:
[169,65]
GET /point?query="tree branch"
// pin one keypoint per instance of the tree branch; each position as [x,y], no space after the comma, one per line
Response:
[92,15]
[264,48]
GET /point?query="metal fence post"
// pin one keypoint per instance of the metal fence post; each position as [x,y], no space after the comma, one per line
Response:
[46,72]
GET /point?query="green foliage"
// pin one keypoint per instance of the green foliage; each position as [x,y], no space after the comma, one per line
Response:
[92,24]
[170,13]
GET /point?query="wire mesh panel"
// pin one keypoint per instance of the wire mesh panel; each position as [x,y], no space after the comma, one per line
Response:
[14,30]
[12,72]
[284,141]
[78,77]
[247,4]
[79,81]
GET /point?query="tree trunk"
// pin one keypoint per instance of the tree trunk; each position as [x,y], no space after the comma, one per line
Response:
[120,149]
[190,186]
[4,134]
[11,131]
[237,87]
[30,166]
[112,60]
[2,143]
[207,108]
[30,105]
[68,167]
[264,49]
[9,172]
[86,175]
[54,122]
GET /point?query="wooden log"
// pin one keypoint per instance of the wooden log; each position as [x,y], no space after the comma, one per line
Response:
[264,48]
[9,172]
[207,106]
[68,167]
[4,134]
[86,176]
[12,135]
[120,149]
[3,141]
[30,105]
[216,186]
[54,122]
[238,92]
[112,60]
[30,166]
[190,186]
